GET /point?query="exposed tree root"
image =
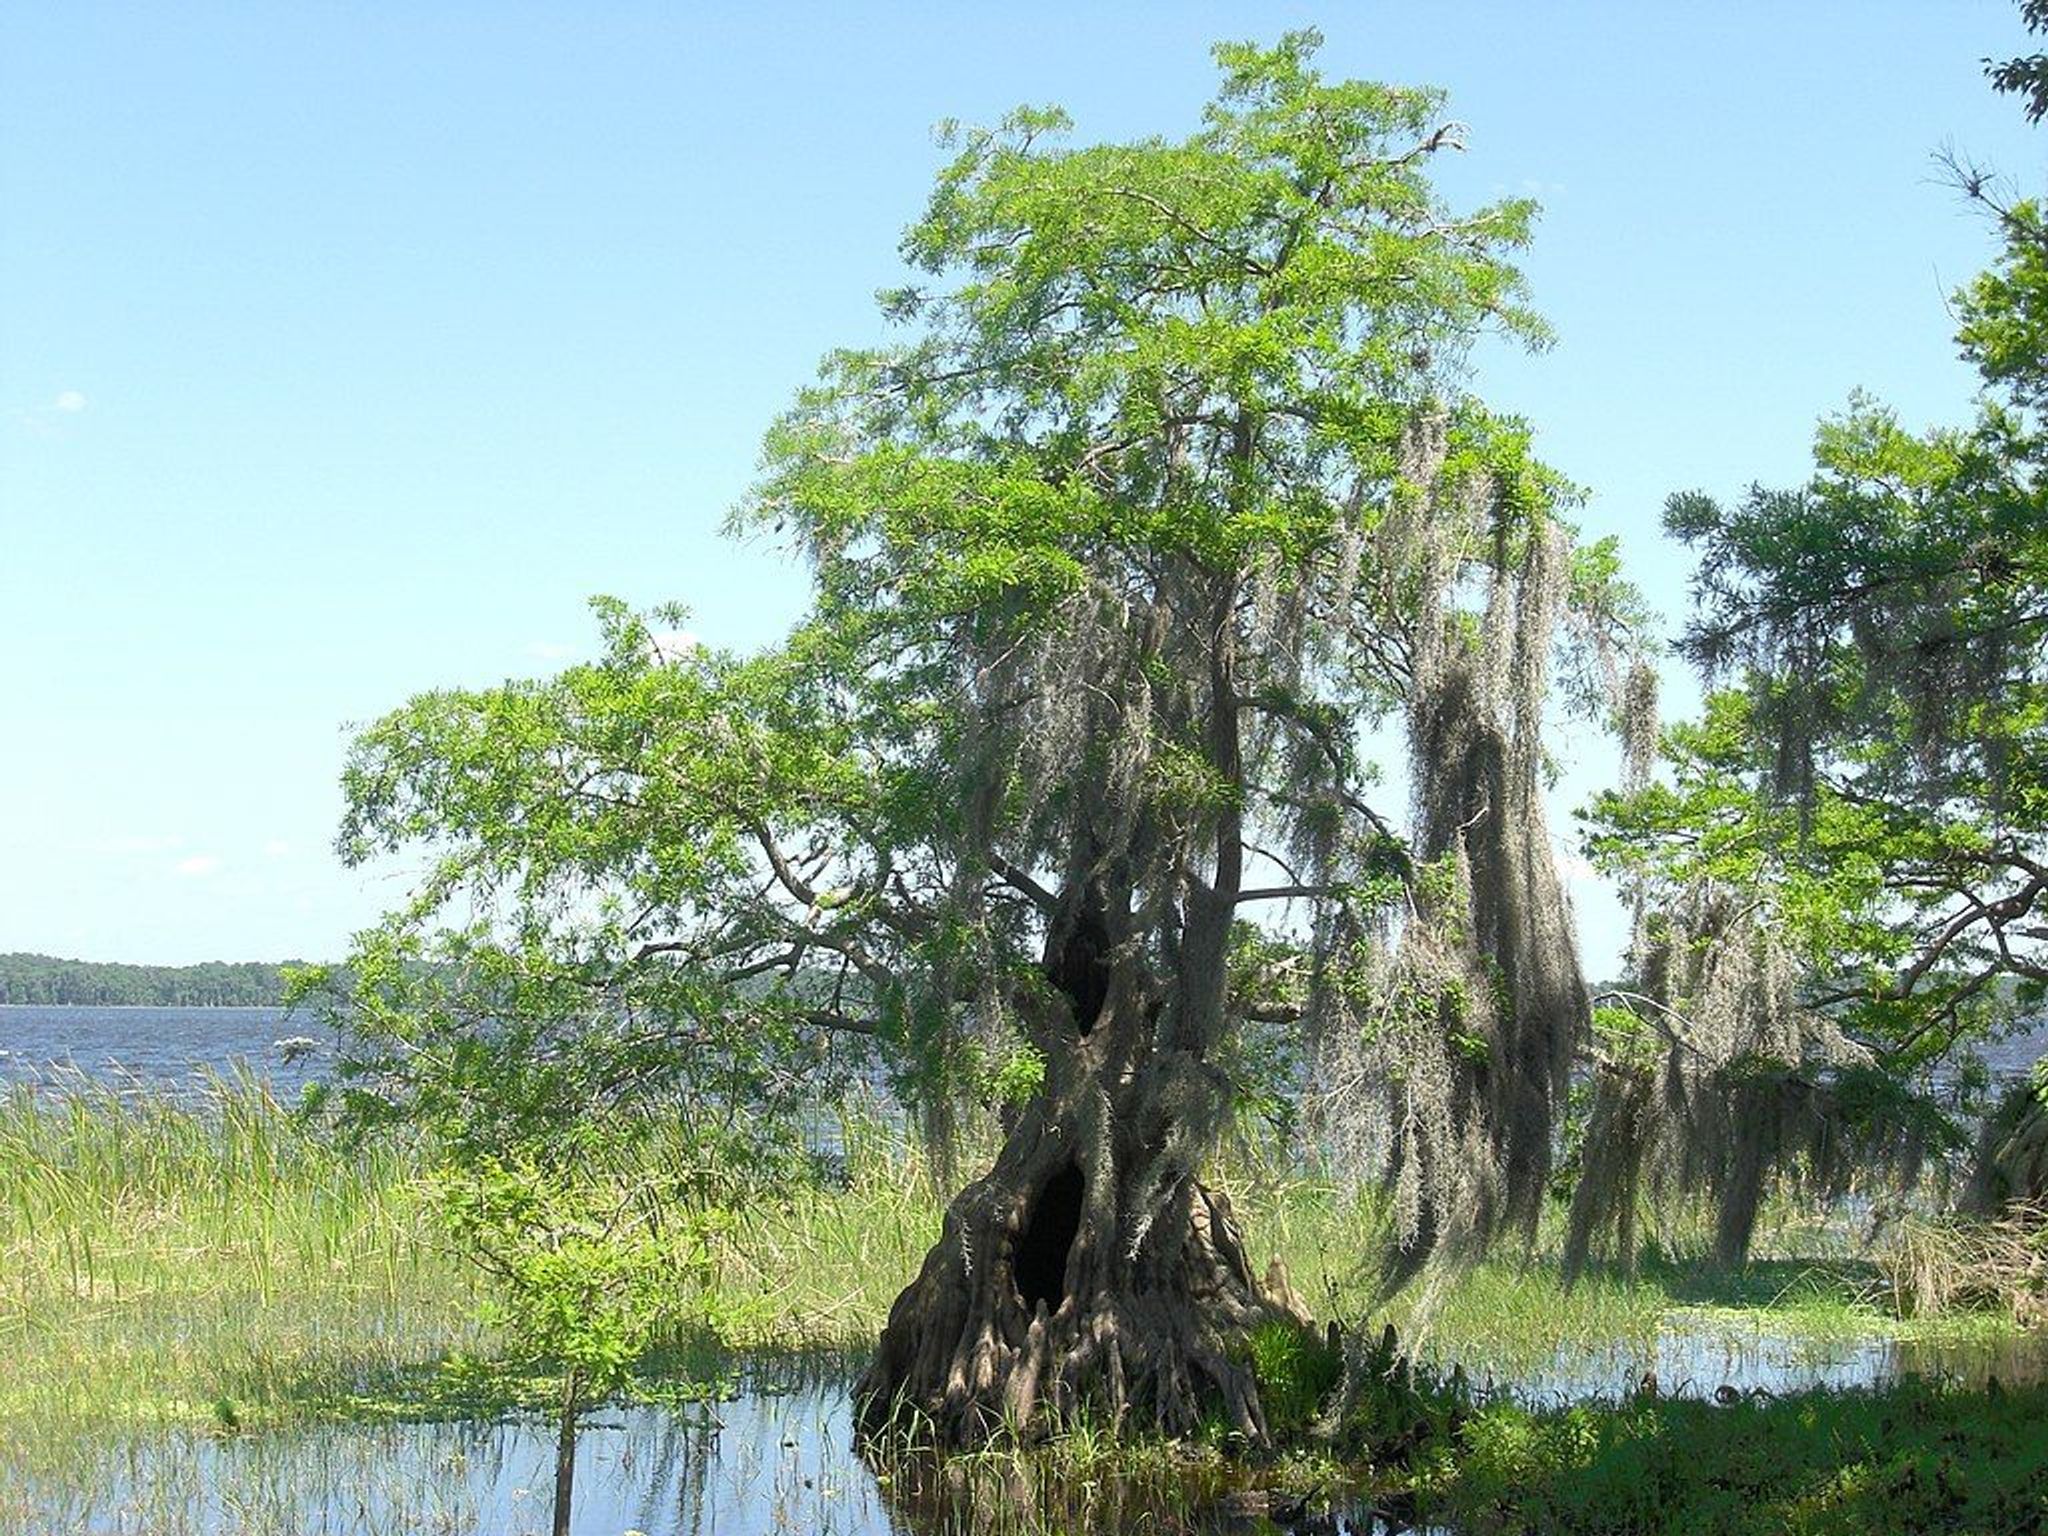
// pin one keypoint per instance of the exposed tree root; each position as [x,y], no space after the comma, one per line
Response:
[1137,1302]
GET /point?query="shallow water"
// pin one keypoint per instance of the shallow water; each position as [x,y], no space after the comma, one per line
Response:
[764,1463]
[779,1457]
[1700,1356]
[759,1464]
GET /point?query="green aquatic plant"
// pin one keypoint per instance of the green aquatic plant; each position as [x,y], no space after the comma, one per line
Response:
[1911,1458]
[1297,1369]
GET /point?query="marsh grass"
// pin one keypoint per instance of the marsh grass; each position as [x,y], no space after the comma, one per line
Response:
[217,1270]
[204,1260]
[1934,1267]
[814,1266]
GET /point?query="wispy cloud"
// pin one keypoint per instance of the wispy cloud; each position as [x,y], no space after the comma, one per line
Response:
[1531,186]
[198,866]
[47,420]
[276,848]
[549,650]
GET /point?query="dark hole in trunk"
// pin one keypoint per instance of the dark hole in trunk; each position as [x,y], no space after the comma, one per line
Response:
[1041,1265]
[1081,972]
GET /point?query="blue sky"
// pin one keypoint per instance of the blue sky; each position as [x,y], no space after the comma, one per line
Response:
[346,350]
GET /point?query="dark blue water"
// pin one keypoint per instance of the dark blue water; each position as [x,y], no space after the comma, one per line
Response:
[161,1048]
[2015,1055]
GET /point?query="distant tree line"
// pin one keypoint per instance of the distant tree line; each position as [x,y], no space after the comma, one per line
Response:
[45,979]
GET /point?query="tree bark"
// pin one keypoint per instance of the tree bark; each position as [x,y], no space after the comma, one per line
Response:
[1088,1266]
[565,1451]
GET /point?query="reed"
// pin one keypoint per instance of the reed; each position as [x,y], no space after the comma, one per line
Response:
[217,1261]
[1936,1267]
[205,1259]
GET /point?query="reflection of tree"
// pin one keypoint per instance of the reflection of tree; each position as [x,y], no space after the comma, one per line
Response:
[674,1468]
[981,1495]
[778,1454]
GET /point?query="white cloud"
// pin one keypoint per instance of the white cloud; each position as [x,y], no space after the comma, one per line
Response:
[549,650]
[69,401]
[1573,868]
[198,865]
[133,842]
[276,848]
[671,644]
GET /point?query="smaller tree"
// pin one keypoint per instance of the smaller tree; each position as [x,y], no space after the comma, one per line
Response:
[1870,813]
[1749,1041]
[584,1278]
[1889,618]
[587,1192]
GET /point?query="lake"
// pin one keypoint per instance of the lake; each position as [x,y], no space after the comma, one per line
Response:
[166,1048]
[777,1456]
[179,1047]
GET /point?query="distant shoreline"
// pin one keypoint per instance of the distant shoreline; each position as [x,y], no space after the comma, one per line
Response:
[50,981]
[277,1007]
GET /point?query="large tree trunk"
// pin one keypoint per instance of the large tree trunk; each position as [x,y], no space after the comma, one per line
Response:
[1088,1265]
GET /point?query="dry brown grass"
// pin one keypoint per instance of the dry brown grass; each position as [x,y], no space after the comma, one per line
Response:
[1941,1265]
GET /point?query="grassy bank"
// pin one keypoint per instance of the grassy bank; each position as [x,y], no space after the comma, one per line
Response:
[172,1261]
[1909,1458]
[218,1265]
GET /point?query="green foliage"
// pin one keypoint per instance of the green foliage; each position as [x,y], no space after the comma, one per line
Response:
[582,1283]
[1818,876]
[2027,75]
[1297,1370]
[1626,1040]
[1016,1076]
[1397,1409]
[1916,1457]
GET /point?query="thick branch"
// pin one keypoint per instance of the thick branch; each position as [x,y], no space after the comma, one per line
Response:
[1015,876]
[1288,892]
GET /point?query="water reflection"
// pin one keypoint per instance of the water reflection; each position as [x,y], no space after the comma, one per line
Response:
[765,1463]
[1709,1357]
[779,1457]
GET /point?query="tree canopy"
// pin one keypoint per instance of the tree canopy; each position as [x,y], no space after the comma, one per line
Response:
[1844,880]
[1174,488]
